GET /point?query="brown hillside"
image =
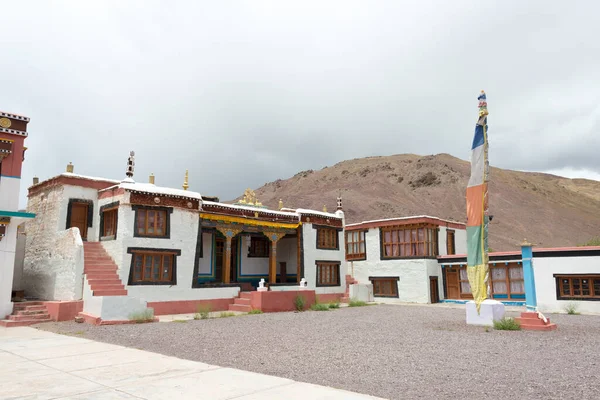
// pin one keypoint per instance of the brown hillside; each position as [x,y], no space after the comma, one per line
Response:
[546,209]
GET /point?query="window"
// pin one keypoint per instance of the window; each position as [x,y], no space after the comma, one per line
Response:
[153,267]
[450,249]
[506,281]
[327,238]
[409,242]
[385,286]
[463,280]
[578,287]
[259,247]
[355,245]
[152,222]
[328,273]
[109,222]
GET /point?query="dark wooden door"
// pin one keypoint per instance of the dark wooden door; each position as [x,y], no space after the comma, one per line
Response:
[79,218]
[283,272]
[433,289]
[452,288]
[234,260]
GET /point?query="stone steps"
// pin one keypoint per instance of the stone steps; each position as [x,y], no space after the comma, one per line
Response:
[242,303]
[532,322]
[101,271]
[27,313]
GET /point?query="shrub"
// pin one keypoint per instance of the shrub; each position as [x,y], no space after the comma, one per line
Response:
[357,303]
[143,316]
[202,312]
[255,312]
[507,324]
[300,303]
[226,314]
[334,305]
[181,321]
[319,307]
[571,309]
[592,242]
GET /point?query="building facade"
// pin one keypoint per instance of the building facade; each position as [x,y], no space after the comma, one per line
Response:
[126,246]
[13,132]
[399,256]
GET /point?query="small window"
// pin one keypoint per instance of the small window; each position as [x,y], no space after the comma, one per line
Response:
[152,222]
[450,248]
[578,287]
[385,286]
[152,268]
[328,273]
[327,238]
[259,247]
[109,223]
[355,245]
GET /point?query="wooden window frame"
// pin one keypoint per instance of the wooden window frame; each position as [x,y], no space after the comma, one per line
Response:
[594,294]
[326,243]
[430,241]
[151,252]
[144,209]
[389,279]
[107,208]
[260,247]
[361,239]
[333,266]
[510,295]
[450,233]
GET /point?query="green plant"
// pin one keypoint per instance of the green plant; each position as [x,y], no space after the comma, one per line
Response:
[319,307]
[357,303]
[255,312]
[487,328]
[226,314]
[181,321]
[334,305]
[300,303]
[507,324]
[592,242]
[143,316]
[571,309]
[202,312]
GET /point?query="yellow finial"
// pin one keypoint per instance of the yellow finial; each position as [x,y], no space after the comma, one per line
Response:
[70,167]
[151,178]
[185,181]
[280,204]
[324,208]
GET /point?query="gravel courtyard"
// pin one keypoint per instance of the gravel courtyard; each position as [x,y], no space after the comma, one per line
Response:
[391,351]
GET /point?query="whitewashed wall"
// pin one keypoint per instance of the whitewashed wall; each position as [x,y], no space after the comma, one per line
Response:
[55,272]
[9,193]
[183,236]
[544,269]
[312,254]
[78,192]
[252,265]
[460,241]
[205,264]
[413,274]
[7,258]
[19,258]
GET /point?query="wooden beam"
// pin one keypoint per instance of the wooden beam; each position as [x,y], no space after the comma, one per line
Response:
[274,237]
[299,254]
[229,234]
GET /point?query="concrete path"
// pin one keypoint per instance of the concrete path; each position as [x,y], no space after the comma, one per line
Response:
[42,365]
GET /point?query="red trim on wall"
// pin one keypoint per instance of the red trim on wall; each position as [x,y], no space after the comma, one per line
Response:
[116,191]
[188,306]
[330,297]
[405,221]
[69,180]
[11,165]
[64,310]
[278,301]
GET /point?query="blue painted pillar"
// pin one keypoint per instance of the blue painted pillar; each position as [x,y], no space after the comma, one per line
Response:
[529,280]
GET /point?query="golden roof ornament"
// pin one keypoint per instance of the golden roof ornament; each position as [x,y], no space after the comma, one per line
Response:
[185,181]
[70,167]
[280,204]
[324,208]
[151,178]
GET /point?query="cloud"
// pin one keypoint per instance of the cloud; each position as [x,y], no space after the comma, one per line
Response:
[241,93]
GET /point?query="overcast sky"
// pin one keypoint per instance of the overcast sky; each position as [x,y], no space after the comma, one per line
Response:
[246,92]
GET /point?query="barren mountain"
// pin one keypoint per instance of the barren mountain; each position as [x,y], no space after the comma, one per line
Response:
[548,210]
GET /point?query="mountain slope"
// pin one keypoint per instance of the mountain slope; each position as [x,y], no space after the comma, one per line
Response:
[547,210]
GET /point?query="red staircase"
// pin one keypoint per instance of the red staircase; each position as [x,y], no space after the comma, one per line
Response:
[349,281]
[101,271]
[27,313]
[531,321]
[241,303]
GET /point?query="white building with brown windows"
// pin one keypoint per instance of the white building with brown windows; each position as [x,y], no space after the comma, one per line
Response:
[115,248]
[399,256]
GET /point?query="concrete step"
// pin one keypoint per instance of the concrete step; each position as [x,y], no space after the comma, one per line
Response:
[28,317]
[9,323]
[99,268]
[101,276]
[21,307]
[239,307]
[114,286]
[100,263]
[245,295]
[30,312]
[107,281]
[243,302]
[111,292]
[345,299]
